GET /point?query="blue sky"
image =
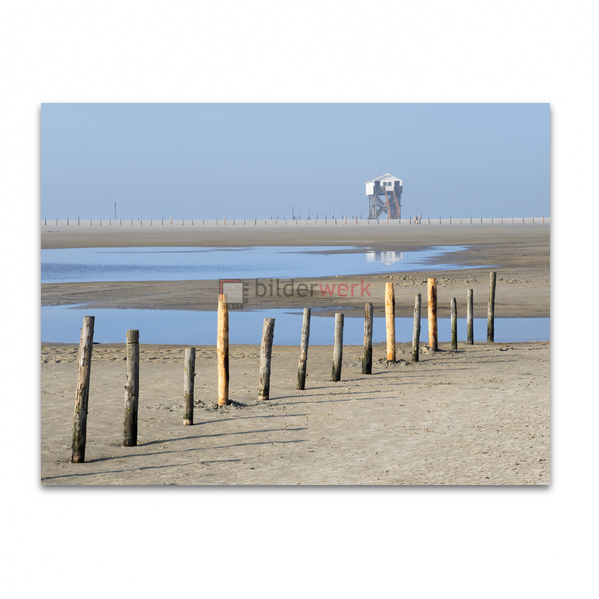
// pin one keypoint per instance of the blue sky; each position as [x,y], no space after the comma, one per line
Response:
[251,160]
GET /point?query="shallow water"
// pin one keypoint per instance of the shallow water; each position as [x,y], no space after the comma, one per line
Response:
[175,264]
[63,324]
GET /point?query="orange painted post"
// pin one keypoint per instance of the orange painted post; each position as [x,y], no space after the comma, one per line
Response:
[390,320]
[432,314]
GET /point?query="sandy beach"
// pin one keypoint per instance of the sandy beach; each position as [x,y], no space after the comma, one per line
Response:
[478,416]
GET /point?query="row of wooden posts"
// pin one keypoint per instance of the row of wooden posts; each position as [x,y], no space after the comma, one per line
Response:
[417,220]
[222,350]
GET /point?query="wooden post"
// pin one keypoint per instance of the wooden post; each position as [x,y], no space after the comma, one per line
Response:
[265,358]
[222,350]
[82,395]
[188,385]
[338,348]
[416,331]
[390,320]
[491,310]
[470,316]
[432,314]
[454,324]
[303,360]
[367,355]
[131,390]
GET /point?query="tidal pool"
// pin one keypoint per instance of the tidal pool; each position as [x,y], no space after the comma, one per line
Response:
[62,324]
[176,264]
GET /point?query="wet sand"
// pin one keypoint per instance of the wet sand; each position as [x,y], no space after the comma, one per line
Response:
[479,416]
[519,253]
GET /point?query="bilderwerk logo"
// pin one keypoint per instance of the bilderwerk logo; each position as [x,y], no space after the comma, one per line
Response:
[288,288]
[237,291]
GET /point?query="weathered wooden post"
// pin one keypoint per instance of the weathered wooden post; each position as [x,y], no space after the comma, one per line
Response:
[82,395]
[432,314]
[367,355]
[188,385]
[303,359]
[416,330]
[470,317]
[338,348]
[265,357]
[131,390]
[390,320]
[491,310]
[222,350]
[454,324]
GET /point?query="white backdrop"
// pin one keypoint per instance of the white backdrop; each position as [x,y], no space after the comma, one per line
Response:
[462,542]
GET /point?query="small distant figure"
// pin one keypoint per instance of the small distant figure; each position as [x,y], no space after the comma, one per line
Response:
[415,220]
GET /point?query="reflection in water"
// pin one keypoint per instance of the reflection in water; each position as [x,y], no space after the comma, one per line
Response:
[187,264]
[384,257]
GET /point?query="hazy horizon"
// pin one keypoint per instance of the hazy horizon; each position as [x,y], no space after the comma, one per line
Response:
[251,160]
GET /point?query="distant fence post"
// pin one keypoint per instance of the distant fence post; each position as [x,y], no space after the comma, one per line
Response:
[338,348]
[222,350]
[390,320]
[303,359]
[367,355]
[188,385]
[491,310]
[265,358]
[416,330]
[432,314]
[131,390]
[454,324]
[82,396]
[470,316]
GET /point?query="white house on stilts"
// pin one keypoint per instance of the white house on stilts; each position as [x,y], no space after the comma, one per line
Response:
[384,195]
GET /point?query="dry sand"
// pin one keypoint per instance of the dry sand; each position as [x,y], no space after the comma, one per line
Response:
[476,417]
